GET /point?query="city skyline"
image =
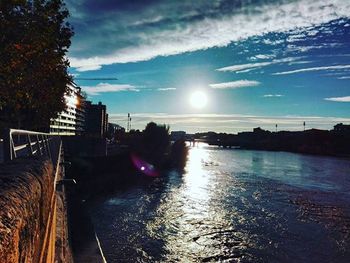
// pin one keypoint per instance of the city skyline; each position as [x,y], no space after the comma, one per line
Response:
[257,64]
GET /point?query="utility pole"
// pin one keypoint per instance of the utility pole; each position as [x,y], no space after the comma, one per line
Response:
[127,124]
[128,127]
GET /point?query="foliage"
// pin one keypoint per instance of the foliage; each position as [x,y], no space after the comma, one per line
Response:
[155,142]
[178,154]
[34,39]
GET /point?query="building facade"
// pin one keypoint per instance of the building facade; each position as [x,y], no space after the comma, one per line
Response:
[96,120]
[71,121]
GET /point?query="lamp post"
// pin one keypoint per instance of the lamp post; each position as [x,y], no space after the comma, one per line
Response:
[128,127]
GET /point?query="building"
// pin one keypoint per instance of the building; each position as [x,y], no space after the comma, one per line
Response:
[80,114]
[342,128]
[115,131]
[115,128]
[177,135]
[71,121]
[96,120]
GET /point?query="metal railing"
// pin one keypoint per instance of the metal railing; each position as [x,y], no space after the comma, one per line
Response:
[20,143]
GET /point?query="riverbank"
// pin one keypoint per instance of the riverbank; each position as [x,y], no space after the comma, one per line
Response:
[317,142]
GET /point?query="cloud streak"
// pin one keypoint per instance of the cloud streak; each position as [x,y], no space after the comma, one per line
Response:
[235,84]
[106,87]
[273,95]
[250,66]
[325,68]
[185,29]
[166,89]
[339,99]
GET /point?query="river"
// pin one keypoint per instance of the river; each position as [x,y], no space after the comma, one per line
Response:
[232,206]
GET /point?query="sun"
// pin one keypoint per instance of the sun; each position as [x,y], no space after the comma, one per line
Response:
[198,100]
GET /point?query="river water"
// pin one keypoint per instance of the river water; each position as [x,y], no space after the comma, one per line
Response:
[232,206]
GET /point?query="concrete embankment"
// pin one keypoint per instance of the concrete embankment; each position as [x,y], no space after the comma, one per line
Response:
[28,215]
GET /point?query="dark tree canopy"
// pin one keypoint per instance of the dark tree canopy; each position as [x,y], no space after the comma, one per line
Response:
[155,142]
[34,39]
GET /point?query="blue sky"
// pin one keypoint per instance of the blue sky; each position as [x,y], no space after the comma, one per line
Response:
[258,62]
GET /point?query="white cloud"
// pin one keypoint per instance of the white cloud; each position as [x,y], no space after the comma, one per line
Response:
[339,99]
[337,67]
[344,77]
[87,67]
[218,32]
[245,70]
[272,42]
[264,56]
[296,37]
[273,95]
[147,21]
[299,49]
[250,66]
[231,123]
[235,84]
[106,87]
[299,62]
[166,89]
[244,67]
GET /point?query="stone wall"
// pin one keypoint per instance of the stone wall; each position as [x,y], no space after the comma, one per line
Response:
[26,188]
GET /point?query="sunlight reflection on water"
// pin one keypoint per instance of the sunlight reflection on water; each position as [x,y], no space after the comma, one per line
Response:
[196,178]
[196,222]
[233,206]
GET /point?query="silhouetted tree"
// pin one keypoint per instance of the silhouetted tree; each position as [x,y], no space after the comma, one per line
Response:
[178,154]
[34,39]
[155,142]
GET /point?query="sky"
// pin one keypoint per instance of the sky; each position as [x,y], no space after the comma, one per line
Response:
[252,63]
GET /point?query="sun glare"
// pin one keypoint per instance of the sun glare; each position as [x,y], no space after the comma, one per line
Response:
[198,99]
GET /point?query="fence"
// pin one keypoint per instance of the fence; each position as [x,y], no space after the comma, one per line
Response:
[22,143]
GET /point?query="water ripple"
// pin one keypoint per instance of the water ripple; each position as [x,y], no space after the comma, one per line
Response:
[233,206]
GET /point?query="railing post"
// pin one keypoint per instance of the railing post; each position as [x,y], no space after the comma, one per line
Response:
[48,147]
[30,148]
[43,137]
[38,144]
[8,151]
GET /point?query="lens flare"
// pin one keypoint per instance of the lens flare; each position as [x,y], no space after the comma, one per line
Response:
[143,166]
